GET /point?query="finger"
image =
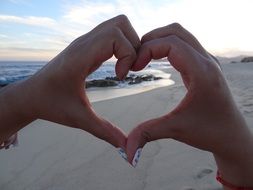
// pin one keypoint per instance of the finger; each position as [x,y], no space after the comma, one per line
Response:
[126,27]
[101,128]
[77,112]
[128,35]
[125,54]
[115,36]
[124,62]
[181,56]
[180,32]
[109,42]
[151,130]
[108,132]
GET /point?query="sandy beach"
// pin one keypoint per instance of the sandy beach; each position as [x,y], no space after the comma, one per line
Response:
[53,157]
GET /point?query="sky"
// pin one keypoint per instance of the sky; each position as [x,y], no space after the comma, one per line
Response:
[39,30]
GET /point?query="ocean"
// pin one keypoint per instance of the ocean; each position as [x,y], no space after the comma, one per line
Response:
[11,71]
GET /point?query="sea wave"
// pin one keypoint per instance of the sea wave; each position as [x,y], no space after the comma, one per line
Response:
[12,71]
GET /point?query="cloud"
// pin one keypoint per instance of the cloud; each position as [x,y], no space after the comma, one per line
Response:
[26,49]
[3,36]
[88,13]
[223,27]
[143,14]
[20,2]
[29,20]
[27,54]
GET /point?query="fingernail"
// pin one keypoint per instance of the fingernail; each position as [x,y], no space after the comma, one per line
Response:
[15,143]
[122,153]
[136,157]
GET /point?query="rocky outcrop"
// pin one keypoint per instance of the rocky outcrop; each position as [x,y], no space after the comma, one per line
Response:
[247,59]
[2,84]
[135,80]
[114,81]
[101,83]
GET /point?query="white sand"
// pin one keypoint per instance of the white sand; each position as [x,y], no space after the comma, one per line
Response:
[54,157]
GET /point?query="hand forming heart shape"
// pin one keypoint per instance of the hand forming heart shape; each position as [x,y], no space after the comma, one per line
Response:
[56,93]
[206,118]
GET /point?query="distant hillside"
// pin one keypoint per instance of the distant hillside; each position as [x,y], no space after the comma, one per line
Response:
[221,59]
[247,59]
[231,59]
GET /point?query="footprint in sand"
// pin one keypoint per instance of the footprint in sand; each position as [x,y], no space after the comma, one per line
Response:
[204,172]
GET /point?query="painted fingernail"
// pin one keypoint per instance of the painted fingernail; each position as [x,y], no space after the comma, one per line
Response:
[122,153]
[136,157]
[15,143]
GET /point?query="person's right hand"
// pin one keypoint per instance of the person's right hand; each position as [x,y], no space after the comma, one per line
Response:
[207,117]
[57,92]
[62,89]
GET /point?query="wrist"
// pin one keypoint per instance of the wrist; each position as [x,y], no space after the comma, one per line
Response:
[235,159]
[17,108]
[21,99]
[229,186]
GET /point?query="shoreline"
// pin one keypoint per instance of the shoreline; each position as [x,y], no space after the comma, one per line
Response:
[96,94]
[107,93]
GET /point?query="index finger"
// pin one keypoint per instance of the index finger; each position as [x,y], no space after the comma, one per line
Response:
[181,55]
[125,26]
[180,32]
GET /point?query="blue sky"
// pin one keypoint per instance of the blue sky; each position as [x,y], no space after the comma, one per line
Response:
[38,30]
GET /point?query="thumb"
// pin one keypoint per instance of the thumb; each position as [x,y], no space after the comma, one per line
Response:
[108,132]
[159,128]
[82,116]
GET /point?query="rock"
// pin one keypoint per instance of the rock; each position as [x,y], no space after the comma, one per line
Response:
[129,78]
[158,78]
[112,78]
[247,59]
[136,80]
[147,77]
[114,81]
[101,83]
[3,83]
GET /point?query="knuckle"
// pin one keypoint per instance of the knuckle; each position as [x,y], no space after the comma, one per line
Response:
[149,36]
[175,26]
[173,38]
[146,45]
[145,135]
[144,38]
[121,20]
[113,32]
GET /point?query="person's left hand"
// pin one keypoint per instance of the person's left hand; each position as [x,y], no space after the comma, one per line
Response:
[207,117]
[59,88]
